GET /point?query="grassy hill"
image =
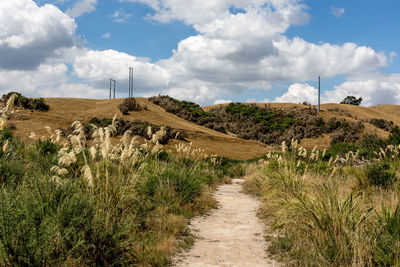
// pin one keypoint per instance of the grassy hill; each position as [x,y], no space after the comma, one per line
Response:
[105,196]
[64,111]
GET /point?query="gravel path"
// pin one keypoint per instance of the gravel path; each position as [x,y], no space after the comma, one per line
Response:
[231,235]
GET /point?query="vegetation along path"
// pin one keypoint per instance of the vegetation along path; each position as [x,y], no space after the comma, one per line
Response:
[230,235]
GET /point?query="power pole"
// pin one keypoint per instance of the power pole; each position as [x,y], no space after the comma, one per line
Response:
[112,81]
[130,82]
[114,87]
[319,94]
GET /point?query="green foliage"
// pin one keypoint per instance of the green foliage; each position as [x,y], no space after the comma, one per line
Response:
[129,104]
[340,149]
[369,144]
[387,235]
[100,122]
[27,103]
[265,117]
[188,110]
[11,172]
[379,174]
[352,100]
[46,223]
[46,147]
[6,134]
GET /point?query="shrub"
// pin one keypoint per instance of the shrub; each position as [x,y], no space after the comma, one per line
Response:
[187,110]
[379,174]
[343,131]
[11,173]
[46,147]
[382,124]
[352,100]
[339,148]
[129,104]
[27,103]
[369,144]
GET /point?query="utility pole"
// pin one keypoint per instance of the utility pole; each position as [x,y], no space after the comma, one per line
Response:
[319,94]
[130,82]
[112,81]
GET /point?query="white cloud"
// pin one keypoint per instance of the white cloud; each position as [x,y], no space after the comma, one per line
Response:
[375,89]
[120,16]
[222,101]
[230,54]
[30,34]
[82,7]
[100,66]
[337,11]
[106,36]
[299,93]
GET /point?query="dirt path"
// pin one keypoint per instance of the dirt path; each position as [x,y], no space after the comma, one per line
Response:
[230,235]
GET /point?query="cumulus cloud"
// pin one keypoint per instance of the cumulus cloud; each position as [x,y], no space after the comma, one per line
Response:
[299,93]
[82,7]
[249,50]
[375,89]
[100,66]
[231,53]
[337,11]
[30,34]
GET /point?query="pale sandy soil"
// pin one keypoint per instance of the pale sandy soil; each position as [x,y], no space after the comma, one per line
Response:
[231,235]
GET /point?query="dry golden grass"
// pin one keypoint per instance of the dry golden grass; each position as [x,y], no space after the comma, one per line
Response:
[64,111]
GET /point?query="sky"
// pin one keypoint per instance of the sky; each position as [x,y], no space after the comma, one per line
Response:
[206,51]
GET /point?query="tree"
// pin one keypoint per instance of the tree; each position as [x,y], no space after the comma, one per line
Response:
[352,100]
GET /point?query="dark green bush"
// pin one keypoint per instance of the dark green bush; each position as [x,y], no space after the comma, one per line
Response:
[352,100]
[27,103]
[129,104]
[370,144]
[341,149]
[46,147]
[11,172]
[379,174]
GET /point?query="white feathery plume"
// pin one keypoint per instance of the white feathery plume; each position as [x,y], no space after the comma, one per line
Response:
[87,173]
[5,147]
[93,152]
[10,101]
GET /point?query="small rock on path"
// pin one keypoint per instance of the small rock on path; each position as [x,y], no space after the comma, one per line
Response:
[231,235]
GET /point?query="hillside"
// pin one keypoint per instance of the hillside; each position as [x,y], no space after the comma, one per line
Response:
[63,111]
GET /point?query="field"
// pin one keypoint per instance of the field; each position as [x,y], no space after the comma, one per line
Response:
[86,184]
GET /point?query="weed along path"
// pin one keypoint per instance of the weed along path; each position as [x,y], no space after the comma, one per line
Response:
[230,235]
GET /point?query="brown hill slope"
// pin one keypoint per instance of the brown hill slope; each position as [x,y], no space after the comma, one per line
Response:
[63,111]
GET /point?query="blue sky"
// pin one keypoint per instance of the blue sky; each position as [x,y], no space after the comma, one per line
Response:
[206,51]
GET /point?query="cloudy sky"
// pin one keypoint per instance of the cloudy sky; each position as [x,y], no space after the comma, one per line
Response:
[207,51]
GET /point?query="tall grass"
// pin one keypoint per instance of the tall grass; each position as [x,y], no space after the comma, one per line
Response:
[323,212]
[64,201]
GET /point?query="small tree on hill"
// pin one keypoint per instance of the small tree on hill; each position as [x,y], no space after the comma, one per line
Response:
[352,100]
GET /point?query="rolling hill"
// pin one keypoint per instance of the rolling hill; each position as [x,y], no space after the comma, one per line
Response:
[64,111]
